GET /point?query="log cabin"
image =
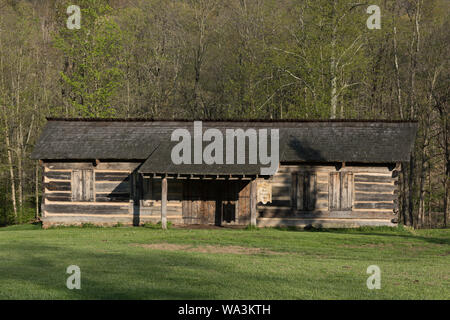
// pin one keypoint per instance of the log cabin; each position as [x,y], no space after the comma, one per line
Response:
[329,173]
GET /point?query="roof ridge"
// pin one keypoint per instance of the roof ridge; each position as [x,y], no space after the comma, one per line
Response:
[231,120]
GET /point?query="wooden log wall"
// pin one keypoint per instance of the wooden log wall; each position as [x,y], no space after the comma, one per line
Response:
[117,196]
[373,195]
[114,184]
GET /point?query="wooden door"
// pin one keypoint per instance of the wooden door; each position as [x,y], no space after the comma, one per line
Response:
[199,202]
[208,202]
[216,202]
[229,195]
[243,214]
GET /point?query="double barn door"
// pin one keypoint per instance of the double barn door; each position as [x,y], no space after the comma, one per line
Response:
[215,202]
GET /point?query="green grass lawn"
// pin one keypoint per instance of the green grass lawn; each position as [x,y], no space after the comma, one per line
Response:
[146,263]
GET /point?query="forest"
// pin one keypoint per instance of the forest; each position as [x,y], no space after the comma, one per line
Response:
[212,59]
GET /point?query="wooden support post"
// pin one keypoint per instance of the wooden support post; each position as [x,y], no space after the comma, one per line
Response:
[253,199]
[164,203]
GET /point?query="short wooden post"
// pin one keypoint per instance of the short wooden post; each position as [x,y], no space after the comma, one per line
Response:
[164,203]
[253,199]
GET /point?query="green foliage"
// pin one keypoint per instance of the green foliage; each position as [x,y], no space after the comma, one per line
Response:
[89,225]
[23,227]
[92,71]
[25,214]
[251,228]
[157,225]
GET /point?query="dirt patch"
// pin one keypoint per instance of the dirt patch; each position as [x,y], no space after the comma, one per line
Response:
[206,248]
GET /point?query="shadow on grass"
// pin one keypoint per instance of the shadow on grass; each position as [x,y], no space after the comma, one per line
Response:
[109,275]
[135,274]
[144,274]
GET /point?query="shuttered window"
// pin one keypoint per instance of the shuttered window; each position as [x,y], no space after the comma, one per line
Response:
[82,185]
[340,192]
[306,191]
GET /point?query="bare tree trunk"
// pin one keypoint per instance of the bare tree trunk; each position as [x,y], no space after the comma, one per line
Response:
[128,96]
[11,171]
[403,196]
[421,213]
[430,192]
[441,106]
[414,58]
[397,73]
[202,12]
[19,139]
[19,175]
[422,177]
[414,50]
[333,65]
[411,220]
[447,176]
[36,185]
[447,170]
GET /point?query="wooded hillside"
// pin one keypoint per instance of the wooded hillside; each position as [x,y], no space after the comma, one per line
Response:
[212,59]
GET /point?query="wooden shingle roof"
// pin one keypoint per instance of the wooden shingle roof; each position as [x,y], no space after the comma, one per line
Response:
[300,141]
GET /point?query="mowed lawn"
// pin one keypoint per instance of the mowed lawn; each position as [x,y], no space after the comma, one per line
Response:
[146,263]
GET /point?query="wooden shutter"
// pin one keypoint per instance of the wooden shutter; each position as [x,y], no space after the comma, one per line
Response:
[306,191]
[334,192]
[300,191]
[310,185]
[346,190]
[294,191]
[77,185]
[340,191]
[88,185]
[82,185]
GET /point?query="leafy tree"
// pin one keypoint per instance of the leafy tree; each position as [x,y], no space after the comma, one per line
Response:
[91,54]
